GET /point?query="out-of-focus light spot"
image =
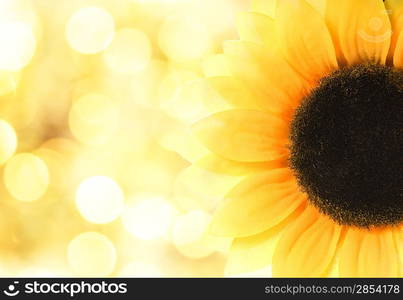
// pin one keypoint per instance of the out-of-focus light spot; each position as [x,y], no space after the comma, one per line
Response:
[188,103]
[183,38]
[93,119]
[90,30]
[149,218]
[190,237]
[143,85]
[91,254]
[146,175]
[67,148]
[57,167]
[8,82]
[99,199]
[8,141]
[26,177]
[4,4]
[17,45]
[129,52]
[140,269]
[172,83]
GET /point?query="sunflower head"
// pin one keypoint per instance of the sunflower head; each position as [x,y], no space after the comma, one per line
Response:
[315,132]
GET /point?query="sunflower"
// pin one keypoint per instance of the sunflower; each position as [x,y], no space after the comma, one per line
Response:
[315,129]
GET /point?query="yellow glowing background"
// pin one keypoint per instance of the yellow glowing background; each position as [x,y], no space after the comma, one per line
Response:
[96,101]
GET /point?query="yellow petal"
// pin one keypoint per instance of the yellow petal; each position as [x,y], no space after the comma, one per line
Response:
[307,247]
[399,242]
[267,7]
[257,28]
[257,203]
[234,92]
[255,252]
[265,71]
[361,30]
[395,11]
[370,253]
[243,135]
[221,165]
[306,41]
[318,5]
[398,56]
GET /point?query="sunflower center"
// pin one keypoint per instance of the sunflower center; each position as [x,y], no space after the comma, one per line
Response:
[347,145]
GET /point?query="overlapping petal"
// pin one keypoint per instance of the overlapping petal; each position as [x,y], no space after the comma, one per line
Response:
[361,30]
[306,41]
[395,11]
[267,7]
[398,55]
[255,252]
[370,253]
[243,135]
[257,28]
[257,203]
[235,92]
[264,70]
[221,165]
[307,247]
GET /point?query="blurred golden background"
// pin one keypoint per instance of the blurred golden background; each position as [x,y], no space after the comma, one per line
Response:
[96,101]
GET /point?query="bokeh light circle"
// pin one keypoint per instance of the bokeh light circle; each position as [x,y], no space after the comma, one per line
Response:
[18,45]
[91,254]
[90,30]
[26,177]
[93,118]
[129,52]
[8,141]
[189,234]
[99,199]
[8,81]
[148,218]
[183,38]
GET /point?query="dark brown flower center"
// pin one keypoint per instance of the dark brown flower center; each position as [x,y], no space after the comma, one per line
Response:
[347,145]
